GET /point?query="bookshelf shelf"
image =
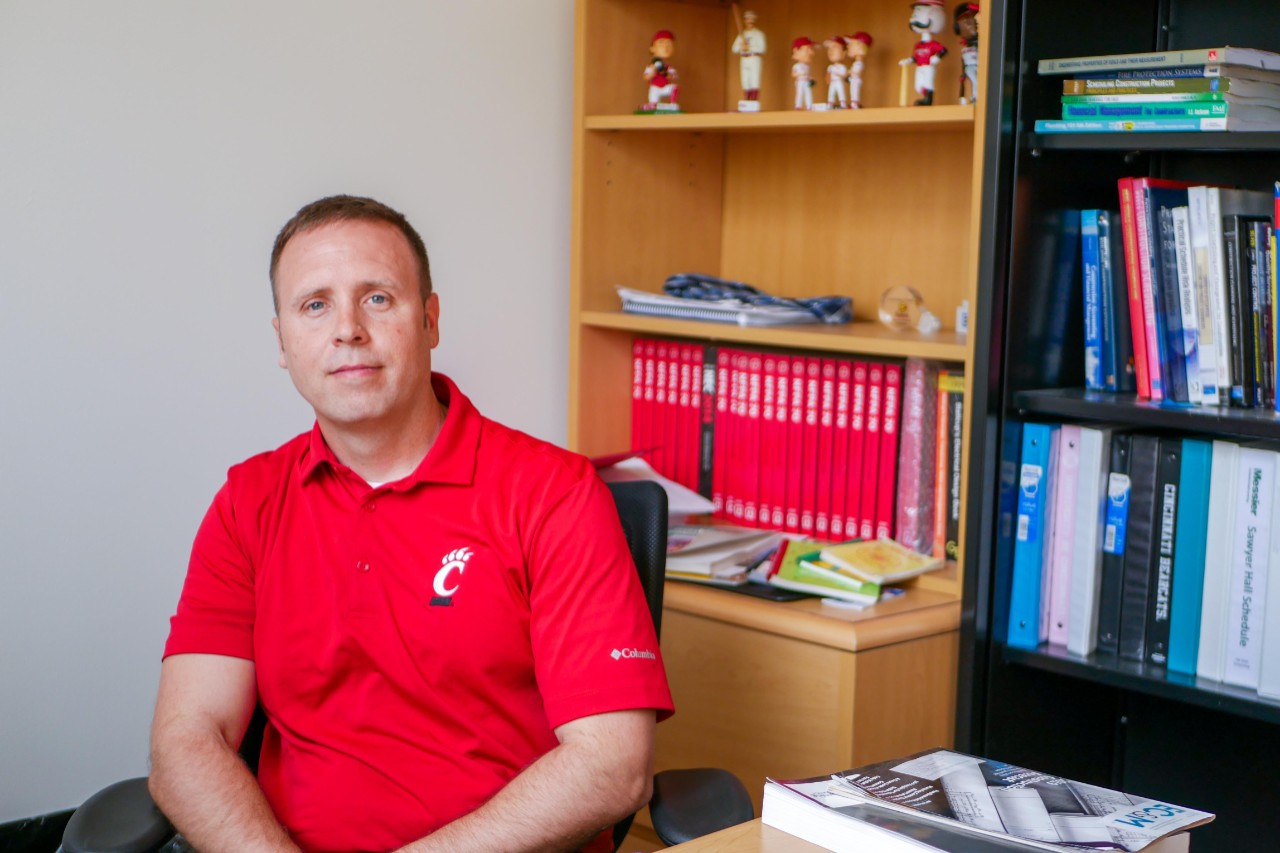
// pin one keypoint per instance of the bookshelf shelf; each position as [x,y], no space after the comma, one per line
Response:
[855,338]
[1149,679]
[1213,141]
[1128,409]
[870,119]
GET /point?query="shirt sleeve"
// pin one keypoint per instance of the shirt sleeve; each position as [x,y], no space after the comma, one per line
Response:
[216,611]
[595,648]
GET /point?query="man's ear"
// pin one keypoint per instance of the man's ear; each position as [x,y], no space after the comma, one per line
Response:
[431,318]
[275,324]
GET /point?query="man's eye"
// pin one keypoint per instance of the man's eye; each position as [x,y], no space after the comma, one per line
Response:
[314,305]
[378,299]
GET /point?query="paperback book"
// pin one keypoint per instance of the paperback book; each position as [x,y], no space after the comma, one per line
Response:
[881,561]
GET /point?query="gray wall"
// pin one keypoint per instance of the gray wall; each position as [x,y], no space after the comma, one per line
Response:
[149,151]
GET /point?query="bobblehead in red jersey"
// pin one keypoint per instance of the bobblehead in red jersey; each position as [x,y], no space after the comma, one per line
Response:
[927,18]
[661,75]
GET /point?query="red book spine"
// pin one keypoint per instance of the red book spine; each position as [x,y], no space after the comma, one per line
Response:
[686,440]
[826,437]
[871,451]
[809,463]
[671,423]
[638,437]
[1150,329]
[663,451]
[887,481]
[720,462]
[840,448]
[767,462]
[795,444]
[1137,325]
[737,420]
[857,438]
[751,449]
[692,429]
[778,447]
[941,473]
[650,386]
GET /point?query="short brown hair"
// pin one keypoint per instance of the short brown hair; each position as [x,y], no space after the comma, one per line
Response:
[349,208]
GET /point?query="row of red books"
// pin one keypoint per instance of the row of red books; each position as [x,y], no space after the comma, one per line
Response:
[800,443]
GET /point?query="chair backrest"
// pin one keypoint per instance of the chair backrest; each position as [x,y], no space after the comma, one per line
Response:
[642,507]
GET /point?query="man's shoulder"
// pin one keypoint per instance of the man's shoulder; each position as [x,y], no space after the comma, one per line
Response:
[271,467]
[509,447]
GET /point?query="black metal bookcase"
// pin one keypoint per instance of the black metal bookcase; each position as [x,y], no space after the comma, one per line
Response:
[1111,722]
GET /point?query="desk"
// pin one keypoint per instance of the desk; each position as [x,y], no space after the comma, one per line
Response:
[751,837]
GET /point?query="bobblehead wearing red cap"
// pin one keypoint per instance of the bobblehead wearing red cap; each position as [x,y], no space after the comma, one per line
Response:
[662,34]
[803,41]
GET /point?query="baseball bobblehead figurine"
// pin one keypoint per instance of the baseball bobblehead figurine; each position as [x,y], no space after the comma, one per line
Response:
[856,47]
[927,18]
[802,56]
[749,46]
[966,27]
[661,75]
[837,73]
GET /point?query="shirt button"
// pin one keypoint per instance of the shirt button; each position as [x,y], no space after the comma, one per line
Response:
[371,506]
[362,566]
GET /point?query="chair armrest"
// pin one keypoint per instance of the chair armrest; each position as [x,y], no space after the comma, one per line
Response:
[120,818]
[688,804]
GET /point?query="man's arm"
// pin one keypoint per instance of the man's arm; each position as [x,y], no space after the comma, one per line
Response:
[600,773]
[197,778]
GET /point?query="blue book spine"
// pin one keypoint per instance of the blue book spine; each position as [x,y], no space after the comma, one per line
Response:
[1035,479]
[1169,303]
[1189,556]
[1094,369]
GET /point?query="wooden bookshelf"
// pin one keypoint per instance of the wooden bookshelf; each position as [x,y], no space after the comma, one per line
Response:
[799,204]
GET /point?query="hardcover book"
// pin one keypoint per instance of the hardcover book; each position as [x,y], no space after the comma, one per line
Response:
[881,561]
[1244,56]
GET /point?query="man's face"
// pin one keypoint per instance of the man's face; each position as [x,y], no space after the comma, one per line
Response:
[352,327]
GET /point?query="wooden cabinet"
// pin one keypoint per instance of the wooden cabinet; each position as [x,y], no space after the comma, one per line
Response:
[799,204]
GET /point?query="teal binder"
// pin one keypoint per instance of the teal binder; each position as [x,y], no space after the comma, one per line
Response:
[1189,556]
[1035,480]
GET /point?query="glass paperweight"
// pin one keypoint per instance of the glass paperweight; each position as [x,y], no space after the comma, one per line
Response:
[901,307]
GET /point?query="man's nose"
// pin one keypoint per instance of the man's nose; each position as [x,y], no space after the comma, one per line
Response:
[350,326]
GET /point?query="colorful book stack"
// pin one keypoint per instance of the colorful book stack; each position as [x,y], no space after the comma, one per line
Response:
[830,448]
[1227,88]
[1150,548]
[1179,294]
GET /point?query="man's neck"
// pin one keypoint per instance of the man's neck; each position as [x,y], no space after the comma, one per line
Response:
[384,453]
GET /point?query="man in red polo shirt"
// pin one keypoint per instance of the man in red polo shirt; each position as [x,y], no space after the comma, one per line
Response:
[438,614]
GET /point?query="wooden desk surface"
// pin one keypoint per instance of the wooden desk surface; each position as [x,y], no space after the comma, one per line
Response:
[750,837]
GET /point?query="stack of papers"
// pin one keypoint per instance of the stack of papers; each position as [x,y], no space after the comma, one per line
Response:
[721,555]
[715,311]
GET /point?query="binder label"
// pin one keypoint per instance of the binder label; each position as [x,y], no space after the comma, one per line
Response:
[1028,497]
[1117,514]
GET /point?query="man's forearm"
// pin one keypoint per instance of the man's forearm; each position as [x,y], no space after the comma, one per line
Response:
[209,794]
[560,802]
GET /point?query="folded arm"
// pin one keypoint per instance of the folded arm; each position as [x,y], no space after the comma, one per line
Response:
[600,773]
[197,777]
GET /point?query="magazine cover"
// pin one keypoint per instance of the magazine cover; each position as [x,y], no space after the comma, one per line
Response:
[1003,799]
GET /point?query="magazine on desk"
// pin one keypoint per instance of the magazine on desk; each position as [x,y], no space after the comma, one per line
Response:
[977,797]
[995,799]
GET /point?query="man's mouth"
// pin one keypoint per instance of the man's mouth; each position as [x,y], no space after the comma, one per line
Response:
[353,369]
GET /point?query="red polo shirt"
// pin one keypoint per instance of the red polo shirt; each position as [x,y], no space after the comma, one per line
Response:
[416,644]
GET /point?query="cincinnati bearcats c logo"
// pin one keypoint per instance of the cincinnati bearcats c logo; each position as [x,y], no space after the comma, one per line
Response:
[445,585]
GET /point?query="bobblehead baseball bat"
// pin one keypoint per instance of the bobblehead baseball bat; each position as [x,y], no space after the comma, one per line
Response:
[902,85]
[737,17]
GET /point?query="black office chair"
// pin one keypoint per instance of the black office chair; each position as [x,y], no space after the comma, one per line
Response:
[686,804]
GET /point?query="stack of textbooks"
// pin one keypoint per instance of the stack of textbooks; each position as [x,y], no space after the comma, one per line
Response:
[944,800]
[1179,292]
[1153,549]
[1226,88]
[858,572]
[822,447]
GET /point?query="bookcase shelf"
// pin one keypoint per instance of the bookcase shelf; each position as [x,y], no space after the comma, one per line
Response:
[1079,403]
[845,203]
[1121,724]
[1212,141]
[868,120]
[1149,679]
[861,338]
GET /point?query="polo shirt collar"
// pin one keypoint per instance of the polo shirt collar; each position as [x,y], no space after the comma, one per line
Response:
[451,459]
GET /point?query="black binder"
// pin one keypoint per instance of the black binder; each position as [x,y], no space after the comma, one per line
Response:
[1139,545]
[1114,539]
[1160,600]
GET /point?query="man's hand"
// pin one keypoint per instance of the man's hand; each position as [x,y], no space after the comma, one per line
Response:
[601,772]
[197,778]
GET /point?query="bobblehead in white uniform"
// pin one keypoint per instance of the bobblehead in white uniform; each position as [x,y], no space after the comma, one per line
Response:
[802,54]
[749,46]
[927,18]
